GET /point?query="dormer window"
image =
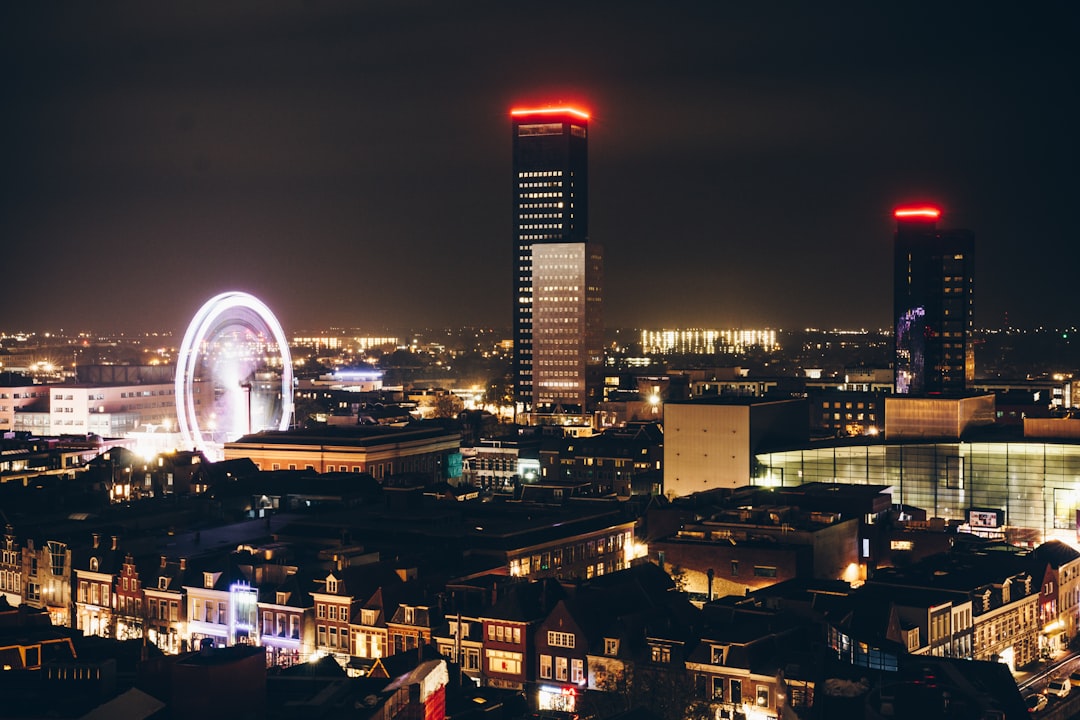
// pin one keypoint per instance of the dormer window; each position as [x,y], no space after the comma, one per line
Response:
[93,564]
[718,654]
[410,616]
[163,583]
[611,646]
[282,598]
[208,580]
[332,585]
[367,617]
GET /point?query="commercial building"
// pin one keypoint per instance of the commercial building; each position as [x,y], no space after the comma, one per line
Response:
[1029,486]
[381,451]
[932,304]
[710,443]
[557,273]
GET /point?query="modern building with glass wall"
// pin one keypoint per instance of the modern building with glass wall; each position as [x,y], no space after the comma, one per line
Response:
[1033,484]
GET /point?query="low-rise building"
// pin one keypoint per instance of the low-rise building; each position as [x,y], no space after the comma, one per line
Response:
[381,451]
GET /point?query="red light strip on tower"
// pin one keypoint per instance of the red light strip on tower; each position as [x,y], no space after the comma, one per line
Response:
[551,111]
[931,213]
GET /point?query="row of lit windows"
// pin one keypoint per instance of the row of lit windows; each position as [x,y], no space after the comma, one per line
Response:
[548,236]
[548,226]
[541,173]
[537,195]
[504,633]
[541,216]
[333,641]
[329,611]
[541,205]
[577,669]
[549,183]
[560,639]
[209,611]
[502,661]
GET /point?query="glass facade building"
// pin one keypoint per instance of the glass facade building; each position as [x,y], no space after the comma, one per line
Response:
[1035,484]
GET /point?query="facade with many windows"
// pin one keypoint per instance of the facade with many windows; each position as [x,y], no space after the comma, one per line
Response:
[585,555]
[380,451]
[1031,481]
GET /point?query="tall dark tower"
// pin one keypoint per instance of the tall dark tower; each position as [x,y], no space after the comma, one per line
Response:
[932,304]
[557,328]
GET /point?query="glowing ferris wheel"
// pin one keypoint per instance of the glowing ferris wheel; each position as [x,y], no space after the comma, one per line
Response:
[233,374]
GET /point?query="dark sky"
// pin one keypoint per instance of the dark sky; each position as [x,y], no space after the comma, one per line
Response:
[349,162]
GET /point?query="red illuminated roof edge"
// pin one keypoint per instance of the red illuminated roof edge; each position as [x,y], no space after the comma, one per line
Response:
[926,211]
[516,112]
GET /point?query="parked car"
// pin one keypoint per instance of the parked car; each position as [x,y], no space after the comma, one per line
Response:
[1035,702]
[1074,679]
[1059,687]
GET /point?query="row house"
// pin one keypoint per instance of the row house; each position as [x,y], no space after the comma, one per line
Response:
[981,604]
[468,602]
[208,609]
[742,663]
[285,612]
[96,577]
[334,605]
[413,622]
[370,636]
[246,599]
[1058,566]
[128,598]
[46,578]
[490,627]
[607,635]
[461,638]
[166,606]
[924,621]
[354,609]
[561,646]
[1007,622]
[509,631]
[10,567]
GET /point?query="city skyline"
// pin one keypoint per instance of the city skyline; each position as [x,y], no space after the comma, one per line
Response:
[348,165]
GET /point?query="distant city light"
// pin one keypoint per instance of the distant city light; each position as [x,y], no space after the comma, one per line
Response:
[707,342]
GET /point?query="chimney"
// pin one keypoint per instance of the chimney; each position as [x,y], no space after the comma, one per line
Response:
[164,560]
[95,540]
[183,563]
[115,540]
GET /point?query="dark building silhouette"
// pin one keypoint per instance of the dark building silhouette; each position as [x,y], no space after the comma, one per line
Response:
[558,273]
[932,305]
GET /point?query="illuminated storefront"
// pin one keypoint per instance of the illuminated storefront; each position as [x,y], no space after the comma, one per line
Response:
[557,699]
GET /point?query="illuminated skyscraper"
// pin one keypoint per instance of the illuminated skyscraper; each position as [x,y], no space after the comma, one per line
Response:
[558,273]
[932,304]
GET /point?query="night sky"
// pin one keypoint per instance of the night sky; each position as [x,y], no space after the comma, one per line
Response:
[349,163]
